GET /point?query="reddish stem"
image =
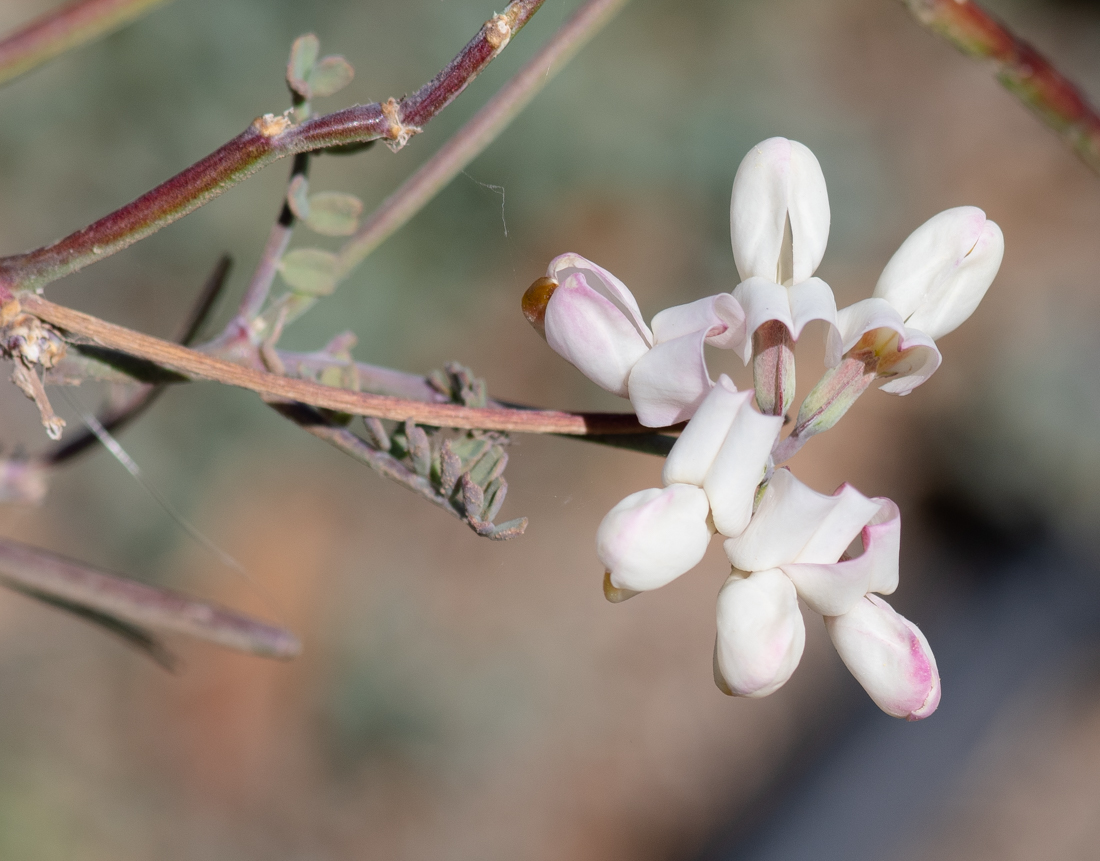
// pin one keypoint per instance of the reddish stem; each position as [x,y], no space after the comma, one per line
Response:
[267,139]
[1020,68]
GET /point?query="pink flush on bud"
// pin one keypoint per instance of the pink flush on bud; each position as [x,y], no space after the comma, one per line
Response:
[590,318]
[889,656]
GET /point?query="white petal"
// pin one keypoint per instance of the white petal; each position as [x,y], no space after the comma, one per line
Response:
[918,358]
[889,656]
[721,315]
[669,382]
[851,511]
[653,536]
[762,300]
[809,208]
[760,633]
[835,589]
[811,299]
[739,467]
[603,282]
[796,524]
[794,307]
[915,358]
[941,272]
[695,450]
[857,320]
[588,330]
[777,180]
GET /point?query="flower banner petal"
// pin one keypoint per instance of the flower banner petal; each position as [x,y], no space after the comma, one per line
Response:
[761,634]
[588,330]
[653,536]
[889,656]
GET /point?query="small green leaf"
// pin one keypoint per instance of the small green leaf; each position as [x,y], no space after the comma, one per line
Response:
[309,271]
[330,76]
[303,58]
[333,213]
[297,197]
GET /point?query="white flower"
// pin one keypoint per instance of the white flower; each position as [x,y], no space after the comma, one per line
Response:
[589,317]
[779,225]
[655,535]
[794,546]
[931,285]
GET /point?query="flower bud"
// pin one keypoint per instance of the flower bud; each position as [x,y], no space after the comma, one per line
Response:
[760,633]
[940,273]
[653,536]
[889,656]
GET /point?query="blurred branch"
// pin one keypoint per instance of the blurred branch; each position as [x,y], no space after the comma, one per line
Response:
[465,145]
[478,133]
[267,139]
[1056,100]
[140,400]
[195,365]
[56,32]
[129,604]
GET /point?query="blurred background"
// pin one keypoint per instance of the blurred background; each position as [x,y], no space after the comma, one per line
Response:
[463,699]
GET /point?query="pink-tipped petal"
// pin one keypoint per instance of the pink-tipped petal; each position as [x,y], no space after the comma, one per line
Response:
[779,181]
[833,589]
[591,332]
[653,536]
[604,283]
[942,270]
[669,382]
[739,467]
[761,634]
[889,656]
[694,452]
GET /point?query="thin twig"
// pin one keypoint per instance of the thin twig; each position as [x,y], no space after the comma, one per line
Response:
[465,145]
[37,571]
[197,365]
[1029,76]
[56,32]
[146,395]
[267,139]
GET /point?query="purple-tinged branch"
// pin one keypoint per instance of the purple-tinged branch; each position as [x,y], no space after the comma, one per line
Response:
[1056,100]
[56,32]
[267,139]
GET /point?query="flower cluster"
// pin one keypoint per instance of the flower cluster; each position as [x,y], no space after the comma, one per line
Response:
[837,553]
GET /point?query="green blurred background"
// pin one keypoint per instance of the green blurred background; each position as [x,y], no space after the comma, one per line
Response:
[462,699]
